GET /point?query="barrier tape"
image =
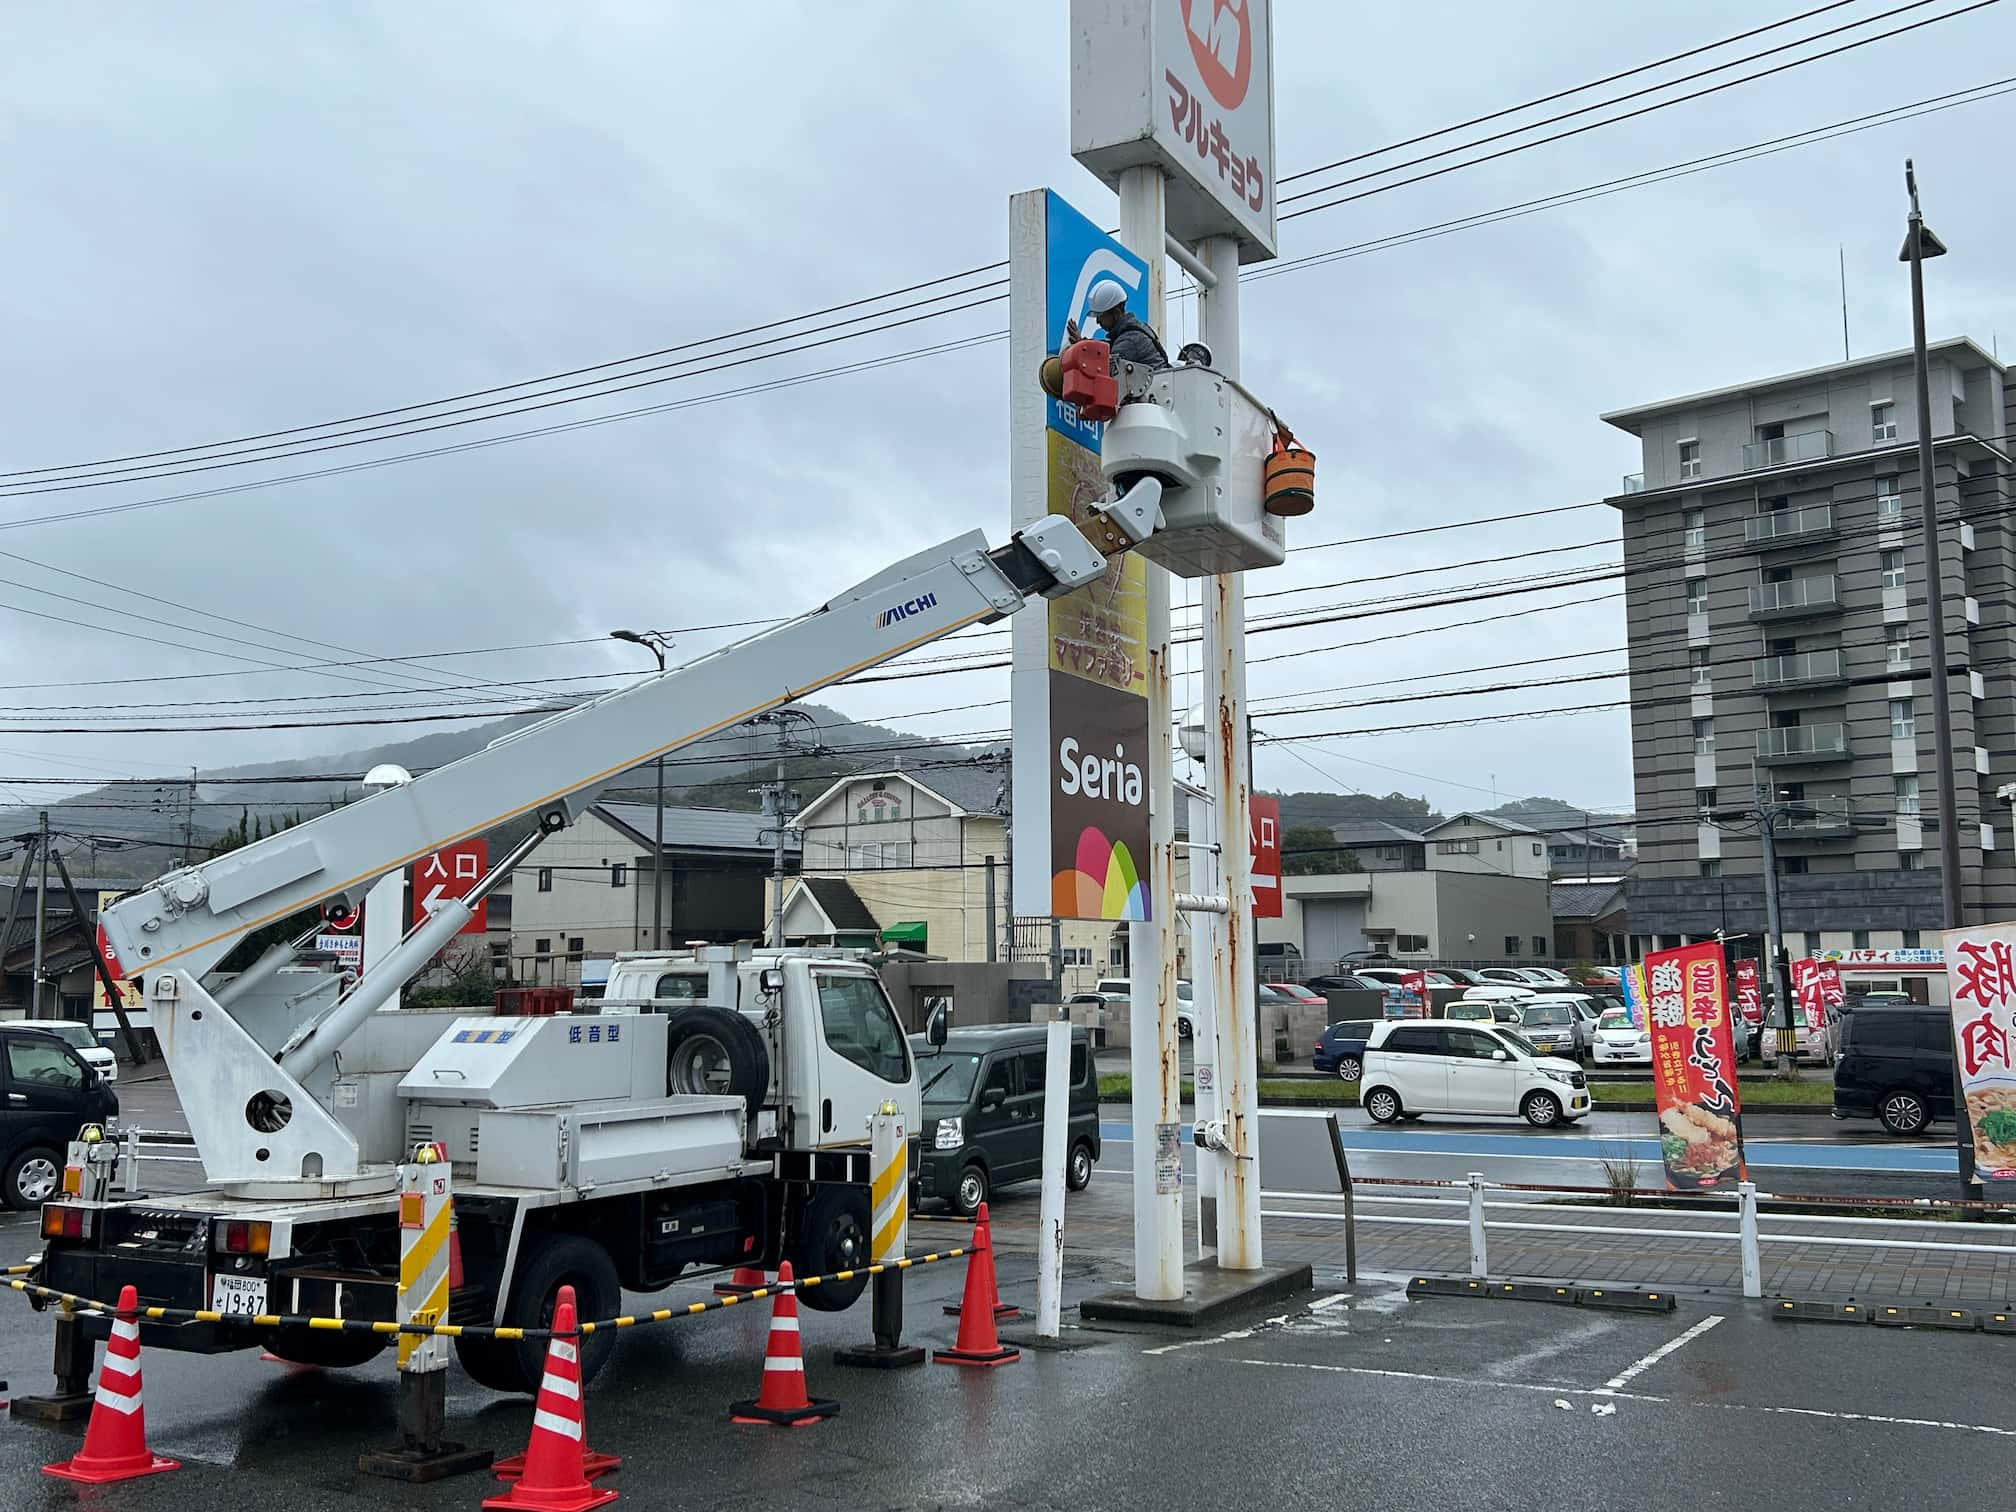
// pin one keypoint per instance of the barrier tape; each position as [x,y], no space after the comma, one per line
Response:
[91,1306]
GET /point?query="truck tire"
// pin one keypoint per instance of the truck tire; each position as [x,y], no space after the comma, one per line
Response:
[547,1265]
[832,1236]
[717,1051]
[332,1351]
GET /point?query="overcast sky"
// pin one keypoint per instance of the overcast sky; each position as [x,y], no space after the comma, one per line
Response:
[224,220]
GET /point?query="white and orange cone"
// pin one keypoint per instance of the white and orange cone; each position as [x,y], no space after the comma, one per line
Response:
[782,1402]
[978,1343]
[553,1476]
[115,1440]
[747,1278]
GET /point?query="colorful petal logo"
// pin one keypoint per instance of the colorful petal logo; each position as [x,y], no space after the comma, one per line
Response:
[1103,885]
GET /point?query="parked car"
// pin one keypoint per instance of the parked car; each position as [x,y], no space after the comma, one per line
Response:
[982,1117]
[1342,1048]
[80,1038]
[1513,976]
[1397,976]
[1440,1067]
[1469,1010]
[1621,1042]
[1547,976]
[1463,976]
[1121,989]
[1810,1043]
[47,1094]
[1345,982]
[1293,992]
[1498,992]
[1896,1066]
[1555,1025]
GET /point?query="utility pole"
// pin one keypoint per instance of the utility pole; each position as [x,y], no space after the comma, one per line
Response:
[780,803]
[188,821]
[41,914]
[1919,244]
[1774,932]
[993,938]
[1587,845]
[655,643]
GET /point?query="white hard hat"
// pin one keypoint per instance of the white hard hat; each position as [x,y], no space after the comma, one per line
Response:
[1106,295]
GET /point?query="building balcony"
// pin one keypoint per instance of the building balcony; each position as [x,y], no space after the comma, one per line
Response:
[1784,747]
[1634,483]
[1803,446]
[1789,527]
[1808,669]
[1795,598]
[1817,819]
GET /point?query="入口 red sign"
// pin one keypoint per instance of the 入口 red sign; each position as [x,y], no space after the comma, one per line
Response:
[1264,815]
[452,872]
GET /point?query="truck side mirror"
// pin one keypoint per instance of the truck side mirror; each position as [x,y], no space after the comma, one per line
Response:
[936,1026]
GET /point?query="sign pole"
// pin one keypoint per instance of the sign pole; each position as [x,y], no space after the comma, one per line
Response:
[1228,776]
[1151,942]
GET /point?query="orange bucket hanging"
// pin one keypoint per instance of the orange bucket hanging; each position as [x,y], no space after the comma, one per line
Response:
[1288,477]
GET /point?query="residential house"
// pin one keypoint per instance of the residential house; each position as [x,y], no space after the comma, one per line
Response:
[1590,921]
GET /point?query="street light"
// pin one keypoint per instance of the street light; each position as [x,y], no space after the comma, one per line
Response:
[656,644]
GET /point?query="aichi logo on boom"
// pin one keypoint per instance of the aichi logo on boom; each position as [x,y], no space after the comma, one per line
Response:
[904,610]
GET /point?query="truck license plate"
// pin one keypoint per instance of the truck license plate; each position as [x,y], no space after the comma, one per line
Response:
[238,1296]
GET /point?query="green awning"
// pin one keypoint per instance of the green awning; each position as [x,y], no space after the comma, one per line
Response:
[906,934]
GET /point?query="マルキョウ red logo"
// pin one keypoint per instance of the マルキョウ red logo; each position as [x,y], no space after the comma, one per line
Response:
[1221,40]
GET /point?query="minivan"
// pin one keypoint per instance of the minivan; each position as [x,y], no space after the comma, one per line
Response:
[982,1122]
[1896,1066]
[47,1094]
[1435,1066]
[1121,989]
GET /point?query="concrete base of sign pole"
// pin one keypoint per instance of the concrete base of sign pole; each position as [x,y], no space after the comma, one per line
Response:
[1208,1295]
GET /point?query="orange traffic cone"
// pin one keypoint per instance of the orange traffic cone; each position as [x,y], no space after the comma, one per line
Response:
[782,1401]
[115,1440]
[978,1344]
[746,1279]
[553,1475]
[1001,1309]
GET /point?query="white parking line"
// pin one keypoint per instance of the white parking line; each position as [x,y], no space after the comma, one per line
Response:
[1639,1367]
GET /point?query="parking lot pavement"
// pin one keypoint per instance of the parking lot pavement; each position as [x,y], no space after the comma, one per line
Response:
[1348,1398]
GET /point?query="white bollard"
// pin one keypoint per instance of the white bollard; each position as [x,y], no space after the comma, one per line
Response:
[1753,1262]
[1056,1145]
[1477,1253]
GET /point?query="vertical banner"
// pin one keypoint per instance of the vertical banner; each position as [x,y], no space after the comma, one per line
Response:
[1981,985]
[1749,991]
[1079,685]
[1417,983]
[1631,981]
[1264,815]
[1809,994]
[1694,1067]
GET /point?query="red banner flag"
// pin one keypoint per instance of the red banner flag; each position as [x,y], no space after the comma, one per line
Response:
[1417,983]
[1694,1067]
[1749,991]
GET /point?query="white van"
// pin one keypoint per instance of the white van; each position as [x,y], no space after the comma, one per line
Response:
[1421,1066]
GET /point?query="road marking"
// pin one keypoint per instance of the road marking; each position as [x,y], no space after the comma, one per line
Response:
[1639,1367]
[1872,1417]
[1329,1302]
[1436,1380]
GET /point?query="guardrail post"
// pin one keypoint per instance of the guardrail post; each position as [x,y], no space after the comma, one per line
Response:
[1478,1259]
[888,1242]
[1753,1263]
[129,1163]
[426,1217]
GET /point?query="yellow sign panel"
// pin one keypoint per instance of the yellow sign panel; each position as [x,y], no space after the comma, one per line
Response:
[1099,633]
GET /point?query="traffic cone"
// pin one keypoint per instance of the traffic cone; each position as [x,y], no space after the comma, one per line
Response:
[978,1344]
[1001,1309]
[115,1440]
[782,1401]
[553,1475]
[747,1278]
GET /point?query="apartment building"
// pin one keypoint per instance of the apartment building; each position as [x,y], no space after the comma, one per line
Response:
[1776,589]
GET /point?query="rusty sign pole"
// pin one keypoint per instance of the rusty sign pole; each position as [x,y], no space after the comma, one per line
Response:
[1151,943]
[1228,774]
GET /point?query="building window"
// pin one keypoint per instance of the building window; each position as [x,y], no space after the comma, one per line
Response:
[1902,726]
[1538,849]
[1889,499]
[1455,847]
[1795,866]
[1704,737]
[1859,940]
[1704,674]
[542,946]
[1893,569]
[1711,868]
[1539,946]
[1907,797]
[1898,657]
[1811,946]
[1907,860]
[1704,801]
[1694,525]
[1883,421]
[1116,956]
[1690,459]
[1911,940]
[619,875]
[545,879]
[574,943]
[1411,944]
[1511,945]
[1697,595]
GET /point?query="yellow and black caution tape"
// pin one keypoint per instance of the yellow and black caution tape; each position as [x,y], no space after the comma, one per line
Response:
[91,1305]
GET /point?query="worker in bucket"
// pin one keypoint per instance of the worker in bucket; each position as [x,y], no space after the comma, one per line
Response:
[1132,339]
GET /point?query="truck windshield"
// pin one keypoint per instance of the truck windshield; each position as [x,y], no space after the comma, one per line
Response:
[951,1079]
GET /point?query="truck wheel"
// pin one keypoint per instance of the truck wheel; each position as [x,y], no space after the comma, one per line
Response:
[32,1177]
[556,1261]
[1078,1170]
[971,1191]
[332,1351]
[717,1051]
[832,1236]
